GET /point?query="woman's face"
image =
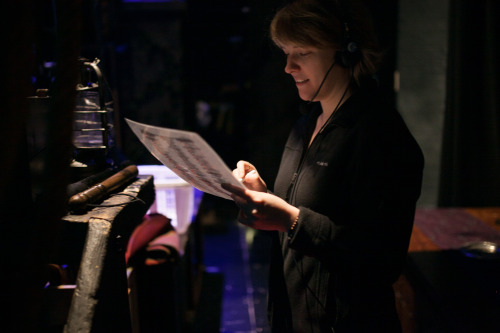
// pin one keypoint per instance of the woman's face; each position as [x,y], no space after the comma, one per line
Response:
[308,66]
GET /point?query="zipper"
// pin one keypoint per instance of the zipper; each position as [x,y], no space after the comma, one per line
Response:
[296,173]
[292,183]
[306,149]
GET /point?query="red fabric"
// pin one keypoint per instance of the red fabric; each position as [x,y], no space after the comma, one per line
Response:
[166,247]
[152,226]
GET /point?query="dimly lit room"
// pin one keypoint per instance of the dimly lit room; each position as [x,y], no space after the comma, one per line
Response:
[165,166]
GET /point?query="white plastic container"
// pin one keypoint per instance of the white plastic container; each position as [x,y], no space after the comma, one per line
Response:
[175,198]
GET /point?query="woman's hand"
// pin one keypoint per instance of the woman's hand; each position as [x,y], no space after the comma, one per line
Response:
[261,210]
[249,176]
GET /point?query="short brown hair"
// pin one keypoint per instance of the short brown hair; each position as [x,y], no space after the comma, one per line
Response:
[321,23]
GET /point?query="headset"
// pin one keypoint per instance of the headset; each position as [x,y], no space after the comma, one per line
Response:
[349,54]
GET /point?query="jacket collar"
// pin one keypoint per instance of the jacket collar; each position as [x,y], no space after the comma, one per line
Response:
[357,104]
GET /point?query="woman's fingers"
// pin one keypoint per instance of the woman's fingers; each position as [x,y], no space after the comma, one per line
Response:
[236,190]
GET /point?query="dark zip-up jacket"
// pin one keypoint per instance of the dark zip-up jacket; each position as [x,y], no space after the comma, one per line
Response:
[356,187]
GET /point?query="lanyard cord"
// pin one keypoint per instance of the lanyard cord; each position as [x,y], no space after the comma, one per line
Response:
[336,108]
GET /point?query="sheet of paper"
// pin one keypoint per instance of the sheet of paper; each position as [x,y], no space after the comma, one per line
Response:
[188,155]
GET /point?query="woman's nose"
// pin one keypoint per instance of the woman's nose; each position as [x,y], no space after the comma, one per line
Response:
[291,65]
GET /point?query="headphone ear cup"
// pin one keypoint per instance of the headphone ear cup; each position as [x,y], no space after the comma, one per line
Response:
[342,58]
[348,56]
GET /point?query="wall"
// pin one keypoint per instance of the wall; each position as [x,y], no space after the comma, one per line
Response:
[421,95]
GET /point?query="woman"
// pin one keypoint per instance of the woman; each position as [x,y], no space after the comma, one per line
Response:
[350,175]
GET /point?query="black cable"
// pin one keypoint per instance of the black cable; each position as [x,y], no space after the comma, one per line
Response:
[120,204]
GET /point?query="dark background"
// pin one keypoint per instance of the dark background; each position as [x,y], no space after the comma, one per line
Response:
[160,60]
